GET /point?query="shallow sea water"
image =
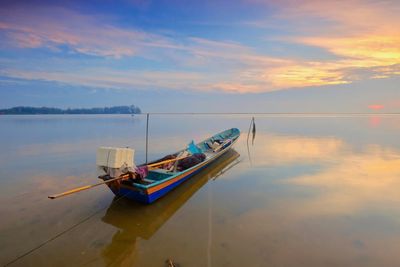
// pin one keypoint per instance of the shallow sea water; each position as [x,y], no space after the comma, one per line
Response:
[310,191]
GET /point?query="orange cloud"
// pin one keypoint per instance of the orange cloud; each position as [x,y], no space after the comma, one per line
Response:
[360,51]
[364,41]
[306,74]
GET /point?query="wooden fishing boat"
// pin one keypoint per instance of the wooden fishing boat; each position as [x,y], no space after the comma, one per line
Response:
[135,221]
[166,176]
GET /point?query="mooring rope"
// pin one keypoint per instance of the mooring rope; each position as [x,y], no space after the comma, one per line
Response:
[61,233]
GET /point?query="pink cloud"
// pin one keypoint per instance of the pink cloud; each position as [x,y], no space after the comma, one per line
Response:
[336,18]
[51,27]
[376,107]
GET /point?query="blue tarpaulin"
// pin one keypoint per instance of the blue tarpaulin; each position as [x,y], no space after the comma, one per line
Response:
[193,149]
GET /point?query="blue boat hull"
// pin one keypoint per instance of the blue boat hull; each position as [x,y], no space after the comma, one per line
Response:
[142,197]
[149,194]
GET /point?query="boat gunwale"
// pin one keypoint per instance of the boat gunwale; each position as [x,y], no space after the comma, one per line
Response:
[234,137]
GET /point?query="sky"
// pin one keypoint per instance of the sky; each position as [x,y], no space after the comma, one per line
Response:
[202,56]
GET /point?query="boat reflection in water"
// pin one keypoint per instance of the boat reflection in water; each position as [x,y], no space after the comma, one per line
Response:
[137,220]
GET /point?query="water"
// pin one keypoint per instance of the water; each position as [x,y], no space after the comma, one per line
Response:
[311,191]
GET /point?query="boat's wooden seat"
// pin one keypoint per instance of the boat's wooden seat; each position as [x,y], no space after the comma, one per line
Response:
[158,174]
[209,154]
[161,171]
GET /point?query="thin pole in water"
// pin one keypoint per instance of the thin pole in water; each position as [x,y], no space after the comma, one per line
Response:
[147,136]
[253,131]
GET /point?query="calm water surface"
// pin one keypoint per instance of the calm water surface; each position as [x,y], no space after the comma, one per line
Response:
[310,191]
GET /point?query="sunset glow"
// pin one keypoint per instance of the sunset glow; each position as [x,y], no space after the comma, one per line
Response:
[255,47]
[375,107]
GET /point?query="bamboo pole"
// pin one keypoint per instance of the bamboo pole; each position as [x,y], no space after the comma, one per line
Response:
[75,190]
[86,187]
[164,162]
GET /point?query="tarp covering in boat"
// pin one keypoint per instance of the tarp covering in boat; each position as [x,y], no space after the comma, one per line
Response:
[190,161]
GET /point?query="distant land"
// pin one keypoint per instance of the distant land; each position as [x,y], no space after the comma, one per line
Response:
[51,110]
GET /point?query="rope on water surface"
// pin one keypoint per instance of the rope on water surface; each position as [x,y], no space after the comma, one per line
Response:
[209,243]
[60,234]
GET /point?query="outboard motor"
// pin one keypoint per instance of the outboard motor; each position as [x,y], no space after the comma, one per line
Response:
[114,161]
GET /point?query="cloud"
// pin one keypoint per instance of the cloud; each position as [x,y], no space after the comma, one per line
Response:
[198,63]
[97,35]
[364,36]
[57,28]
[376,107]
[53,27]
[112,79]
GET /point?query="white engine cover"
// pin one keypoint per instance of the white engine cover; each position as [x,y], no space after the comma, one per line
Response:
[115,157]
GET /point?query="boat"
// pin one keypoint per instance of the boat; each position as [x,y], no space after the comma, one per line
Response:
[135,221]
[165,174]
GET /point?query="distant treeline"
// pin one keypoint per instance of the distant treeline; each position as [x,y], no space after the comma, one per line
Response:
[45,110]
